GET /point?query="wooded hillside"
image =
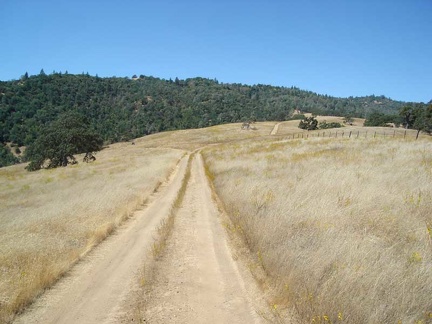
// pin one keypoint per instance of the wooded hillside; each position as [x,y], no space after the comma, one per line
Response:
[123,108]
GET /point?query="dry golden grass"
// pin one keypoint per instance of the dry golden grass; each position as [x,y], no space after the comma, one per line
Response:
[50,218]
[291,126]
[192,139]
[289,129]
[342,226]
[337,119]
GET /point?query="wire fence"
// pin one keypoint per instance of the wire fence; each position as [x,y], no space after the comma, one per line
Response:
[394,133]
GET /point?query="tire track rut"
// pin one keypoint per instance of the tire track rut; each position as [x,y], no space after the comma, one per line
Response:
[197,279]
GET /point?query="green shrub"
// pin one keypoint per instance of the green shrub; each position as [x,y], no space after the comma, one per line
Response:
[297,117]
[309,123]
[325,125]
[6,156]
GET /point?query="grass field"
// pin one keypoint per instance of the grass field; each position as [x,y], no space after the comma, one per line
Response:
[50,218]
[191,139]
[342,226]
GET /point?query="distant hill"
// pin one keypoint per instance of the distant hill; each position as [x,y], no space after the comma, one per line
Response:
[123,108]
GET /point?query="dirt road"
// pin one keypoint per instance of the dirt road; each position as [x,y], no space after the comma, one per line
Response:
[94,288]
[198,281]
[275,129]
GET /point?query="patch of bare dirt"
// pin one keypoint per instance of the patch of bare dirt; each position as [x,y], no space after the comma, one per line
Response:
[275,129]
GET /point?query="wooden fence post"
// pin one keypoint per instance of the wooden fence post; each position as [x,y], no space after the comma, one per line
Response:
[350,134]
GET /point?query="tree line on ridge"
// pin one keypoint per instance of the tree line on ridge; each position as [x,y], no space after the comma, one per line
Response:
[119,109]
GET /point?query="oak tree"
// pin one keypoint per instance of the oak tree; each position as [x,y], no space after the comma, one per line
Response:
[57,143]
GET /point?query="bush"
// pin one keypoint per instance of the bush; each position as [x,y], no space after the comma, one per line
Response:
[6,156]
[297,117]
[325,125]
[348,120]
[309,123]
[380,119]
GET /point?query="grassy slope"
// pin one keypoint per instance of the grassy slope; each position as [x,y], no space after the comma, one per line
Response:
[341,225]
[297,189]
[50,218]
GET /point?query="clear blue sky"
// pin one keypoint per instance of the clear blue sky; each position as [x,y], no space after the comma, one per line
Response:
[336,47]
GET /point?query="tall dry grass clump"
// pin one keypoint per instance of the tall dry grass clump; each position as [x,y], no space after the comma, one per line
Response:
[50,218]
[342,226]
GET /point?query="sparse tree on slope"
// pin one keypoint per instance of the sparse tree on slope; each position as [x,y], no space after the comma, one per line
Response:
[418,117]
[68,135]
[309,123]
[423,122]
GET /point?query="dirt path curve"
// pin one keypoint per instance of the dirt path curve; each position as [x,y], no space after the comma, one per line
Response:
[95,287]
[197,279]
[275,129]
